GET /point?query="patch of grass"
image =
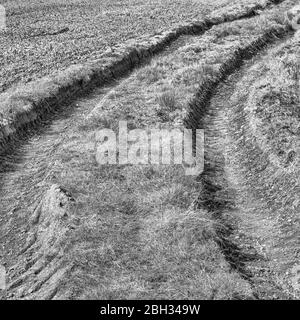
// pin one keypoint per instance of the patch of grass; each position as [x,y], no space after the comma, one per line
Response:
[266,108]
[273,104]
[150,74]
[31,48]
[34,47]
[139,235]
[148,245]
[167,104]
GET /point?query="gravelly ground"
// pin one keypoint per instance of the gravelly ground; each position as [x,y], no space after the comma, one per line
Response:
[46,35]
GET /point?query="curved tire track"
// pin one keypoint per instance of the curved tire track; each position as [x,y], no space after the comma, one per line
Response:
[28,105]
[235,193]
[213,181]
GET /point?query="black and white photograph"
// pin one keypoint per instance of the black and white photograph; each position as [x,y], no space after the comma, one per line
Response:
[149,151]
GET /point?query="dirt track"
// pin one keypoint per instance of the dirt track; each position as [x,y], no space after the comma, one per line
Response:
[230,193]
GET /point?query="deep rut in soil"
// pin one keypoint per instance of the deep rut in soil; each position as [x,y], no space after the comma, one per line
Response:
[257,240]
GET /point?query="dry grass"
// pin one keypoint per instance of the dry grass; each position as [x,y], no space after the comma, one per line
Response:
[269,156]
[162,90]
[139,240]
[273,106]
[139,236]
[33,45]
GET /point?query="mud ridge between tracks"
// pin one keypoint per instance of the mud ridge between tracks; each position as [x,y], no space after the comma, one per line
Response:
[216,195]
[27,105]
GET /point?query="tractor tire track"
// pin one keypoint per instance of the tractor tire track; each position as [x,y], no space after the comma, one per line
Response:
[28,106]
[29,166]
[239,198]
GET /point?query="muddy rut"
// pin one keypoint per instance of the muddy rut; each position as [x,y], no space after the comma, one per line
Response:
[32,243]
